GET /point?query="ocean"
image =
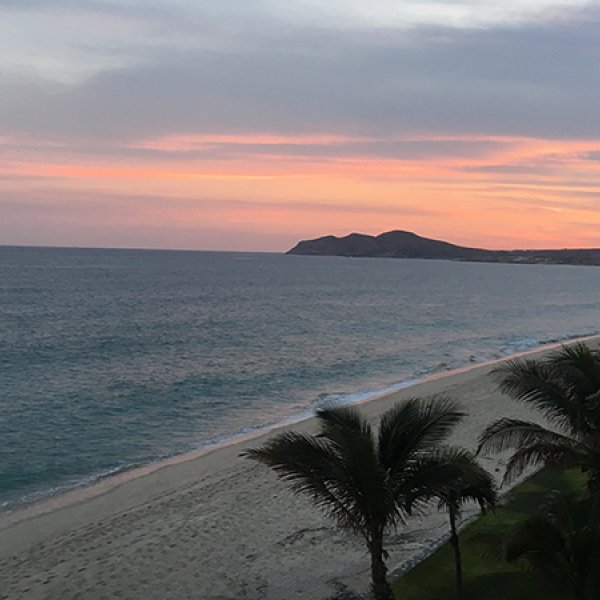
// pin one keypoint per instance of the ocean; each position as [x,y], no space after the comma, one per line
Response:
[111,359]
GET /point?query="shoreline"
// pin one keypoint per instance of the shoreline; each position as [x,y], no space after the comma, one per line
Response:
[99,484]
[213,523]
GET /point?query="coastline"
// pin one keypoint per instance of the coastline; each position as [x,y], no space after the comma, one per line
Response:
[99,483]
[228,527]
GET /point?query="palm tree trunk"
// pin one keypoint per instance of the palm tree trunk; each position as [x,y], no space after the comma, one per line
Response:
[380,586]
[456,548]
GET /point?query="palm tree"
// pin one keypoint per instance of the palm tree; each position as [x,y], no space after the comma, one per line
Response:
[369,483]
[562,543]
[474,485]
[566,389]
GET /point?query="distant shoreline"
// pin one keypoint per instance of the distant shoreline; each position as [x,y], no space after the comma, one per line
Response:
[405,244]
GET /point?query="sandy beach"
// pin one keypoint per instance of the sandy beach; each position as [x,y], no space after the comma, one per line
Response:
[217,527]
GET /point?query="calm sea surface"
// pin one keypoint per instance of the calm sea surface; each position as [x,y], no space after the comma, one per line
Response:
[115,358]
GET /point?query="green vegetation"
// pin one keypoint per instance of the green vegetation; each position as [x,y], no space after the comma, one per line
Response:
[488,578]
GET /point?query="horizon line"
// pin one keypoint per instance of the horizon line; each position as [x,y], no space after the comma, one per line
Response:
[375,235]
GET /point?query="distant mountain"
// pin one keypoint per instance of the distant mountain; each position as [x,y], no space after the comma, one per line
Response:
[404,244]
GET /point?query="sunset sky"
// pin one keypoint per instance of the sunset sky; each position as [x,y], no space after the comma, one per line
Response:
[249,124]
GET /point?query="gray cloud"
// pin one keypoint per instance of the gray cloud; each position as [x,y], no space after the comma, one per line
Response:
[527,80]
[594,156]
[298,150]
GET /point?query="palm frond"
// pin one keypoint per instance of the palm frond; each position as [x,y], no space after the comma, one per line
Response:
[570,511]
[541,543]
[350,434]
[591,409]
[413,426]
[313,468]
[346,417]
[579,364]
[368,487]
[562,541]
[541,454]
[474,484]
[429,476]
[506,433]
[540,385]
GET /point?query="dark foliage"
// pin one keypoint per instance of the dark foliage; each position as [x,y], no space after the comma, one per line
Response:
[561,542]
[368,481]
[565,388]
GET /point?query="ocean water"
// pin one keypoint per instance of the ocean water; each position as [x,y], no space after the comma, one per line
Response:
[114,358]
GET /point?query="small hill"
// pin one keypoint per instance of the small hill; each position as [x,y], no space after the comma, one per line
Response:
[405,244]
[392,244]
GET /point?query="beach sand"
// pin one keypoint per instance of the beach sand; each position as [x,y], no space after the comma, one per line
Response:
[217,527]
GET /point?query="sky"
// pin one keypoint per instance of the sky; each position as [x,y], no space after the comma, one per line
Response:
[251,124]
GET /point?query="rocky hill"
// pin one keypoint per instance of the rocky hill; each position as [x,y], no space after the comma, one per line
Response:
[404,244]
